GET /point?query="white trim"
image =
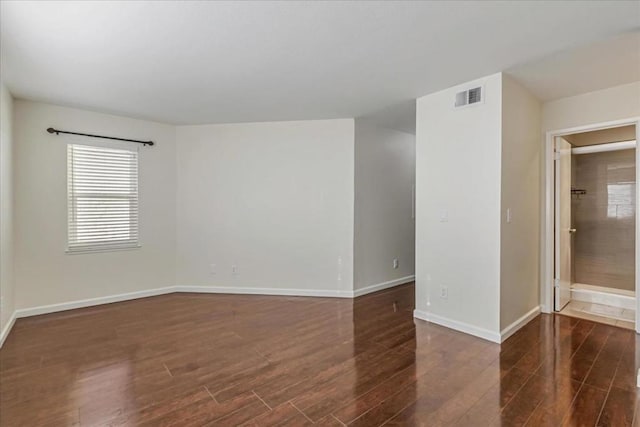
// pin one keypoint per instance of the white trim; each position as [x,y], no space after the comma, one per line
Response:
[616,291]
[7,329]
[384,285]
[94,250]
[602,148]
[546,277]
[597,295]
[458,326]
[597,126]
[515,326]
[548,220]
[265,291]
[53,308]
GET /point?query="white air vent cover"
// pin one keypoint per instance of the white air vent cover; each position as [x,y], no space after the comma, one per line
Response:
[469,97]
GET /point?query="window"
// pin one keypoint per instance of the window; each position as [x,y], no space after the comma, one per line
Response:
[103,198]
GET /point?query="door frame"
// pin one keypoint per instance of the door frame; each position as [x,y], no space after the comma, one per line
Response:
[548,214]
[558,199]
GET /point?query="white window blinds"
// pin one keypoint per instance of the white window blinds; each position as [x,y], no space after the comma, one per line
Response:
[103,198]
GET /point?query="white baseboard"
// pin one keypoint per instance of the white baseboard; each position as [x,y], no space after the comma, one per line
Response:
[265,291]
[7,328]
[53,308]
[515,326]
[385,285]
[458,326]
[45,309]
[606,298]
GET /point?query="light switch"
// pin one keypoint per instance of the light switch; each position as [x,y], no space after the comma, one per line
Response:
[444,216]
[508,215]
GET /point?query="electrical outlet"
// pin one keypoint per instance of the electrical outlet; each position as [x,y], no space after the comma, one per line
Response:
[395,263]
[212,269]
[234,269]
[444,292]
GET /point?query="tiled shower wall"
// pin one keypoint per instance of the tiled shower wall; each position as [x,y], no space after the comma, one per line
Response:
[604,244]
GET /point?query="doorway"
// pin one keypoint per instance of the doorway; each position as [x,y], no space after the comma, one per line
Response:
[591,257]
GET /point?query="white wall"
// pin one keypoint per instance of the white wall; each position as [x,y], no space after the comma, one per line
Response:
[6,209]
[615,103]
[384,227]
[458,170]
[274,199]
[522,147]
[44,274]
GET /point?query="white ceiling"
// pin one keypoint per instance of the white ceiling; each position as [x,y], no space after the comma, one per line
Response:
[606,63]
[216,62]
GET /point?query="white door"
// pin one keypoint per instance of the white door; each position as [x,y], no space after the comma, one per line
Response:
[563,229]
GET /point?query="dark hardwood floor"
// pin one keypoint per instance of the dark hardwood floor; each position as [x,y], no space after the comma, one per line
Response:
[195,360]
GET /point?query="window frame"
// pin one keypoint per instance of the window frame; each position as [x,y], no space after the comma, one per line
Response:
[74,248]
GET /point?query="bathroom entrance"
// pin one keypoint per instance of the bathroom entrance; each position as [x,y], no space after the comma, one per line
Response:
[595,201]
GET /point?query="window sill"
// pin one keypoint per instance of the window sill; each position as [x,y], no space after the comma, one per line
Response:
[80,251]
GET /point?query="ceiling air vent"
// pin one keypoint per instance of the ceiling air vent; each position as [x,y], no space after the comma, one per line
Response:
[469,97]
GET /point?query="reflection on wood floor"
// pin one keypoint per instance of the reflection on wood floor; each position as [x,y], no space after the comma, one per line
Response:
[193,360]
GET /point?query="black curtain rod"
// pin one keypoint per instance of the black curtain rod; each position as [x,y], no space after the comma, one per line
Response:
[58,132]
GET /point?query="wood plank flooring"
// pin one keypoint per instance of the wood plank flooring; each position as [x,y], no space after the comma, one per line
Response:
[227,360]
